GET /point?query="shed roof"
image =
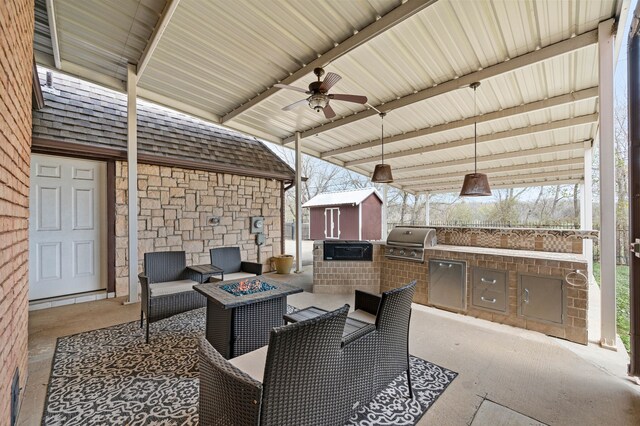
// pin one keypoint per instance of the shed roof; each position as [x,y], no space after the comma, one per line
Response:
[80,112]
[354,197]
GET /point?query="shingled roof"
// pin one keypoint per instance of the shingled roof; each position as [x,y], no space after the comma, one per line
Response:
[83,113]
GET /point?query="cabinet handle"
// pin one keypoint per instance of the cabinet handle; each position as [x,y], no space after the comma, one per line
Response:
[488,300]
[484,280]
[526,295]
[448,265]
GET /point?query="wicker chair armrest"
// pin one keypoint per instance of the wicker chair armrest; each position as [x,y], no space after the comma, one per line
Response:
[188,274]
[227,394]
[251,267]
[367,302]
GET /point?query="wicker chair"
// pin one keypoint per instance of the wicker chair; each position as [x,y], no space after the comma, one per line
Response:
[167,287]
[228,259]
[391,313]
[310,378]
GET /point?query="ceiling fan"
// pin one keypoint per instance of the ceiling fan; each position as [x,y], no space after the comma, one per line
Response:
[319,97]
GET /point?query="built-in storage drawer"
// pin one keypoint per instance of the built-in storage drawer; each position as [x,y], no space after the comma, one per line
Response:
[489,287]
[541,298]
[448,284]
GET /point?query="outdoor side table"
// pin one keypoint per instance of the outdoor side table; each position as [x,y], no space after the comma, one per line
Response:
[240,324]
[206,271]
[353,328]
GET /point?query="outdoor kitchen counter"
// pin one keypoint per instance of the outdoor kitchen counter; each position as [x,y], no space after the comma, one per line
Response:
[558,270]
[527,254]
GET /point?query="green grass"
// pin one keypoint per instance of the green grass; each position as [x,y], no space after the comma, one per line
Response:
[622,300]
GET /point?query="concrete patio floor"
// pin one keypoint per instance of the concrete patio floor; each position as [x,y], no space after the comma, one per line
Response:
[506,375]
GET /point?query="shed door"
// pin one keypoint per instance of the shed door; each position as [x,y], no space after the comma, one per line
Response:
[332,223]
[67,226]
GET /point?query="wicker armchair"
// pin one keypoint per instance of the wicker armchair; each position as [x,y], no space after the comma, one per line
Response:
[310,378]
[228,259]
[391,313]
[167,287]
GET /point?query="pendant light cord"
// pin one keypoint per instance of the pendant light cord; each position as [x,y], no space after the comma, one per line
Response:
[475,131]
[382,114]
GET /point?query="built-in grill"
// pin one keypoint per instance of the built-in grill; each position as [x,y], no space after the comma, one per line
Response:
[408,242]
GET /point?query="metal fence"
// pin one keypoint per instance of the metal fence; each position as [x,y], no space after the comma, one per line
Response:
[290,231]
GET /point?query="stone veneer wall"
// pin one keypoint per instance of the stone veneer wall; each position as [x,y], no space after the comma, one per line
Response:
[395,273]
[174,204]
[344,277]
[552,240]
[16,62]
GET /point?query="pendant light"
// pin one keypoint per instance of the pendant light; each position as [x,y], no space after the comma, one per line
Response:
[382,172]
[475,184]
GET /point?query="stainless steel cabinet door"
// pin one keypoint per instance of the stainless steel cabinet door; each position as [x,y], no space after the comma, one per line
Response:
[541,298]
[448,284]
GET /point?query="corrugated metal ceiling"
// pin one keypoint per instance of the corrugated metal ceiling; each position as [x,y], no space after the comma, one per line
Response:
[215,56]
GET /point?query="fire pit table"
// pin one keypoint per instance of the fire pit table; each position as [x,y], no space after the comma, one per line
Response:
[241,313]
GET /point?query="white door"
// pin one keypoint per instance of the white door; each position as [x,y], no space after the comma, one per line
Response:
[67,226]
[332,223]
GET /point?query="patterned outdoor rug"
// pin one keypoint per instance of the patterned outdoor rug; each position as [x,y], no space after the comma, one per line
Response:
[110,376]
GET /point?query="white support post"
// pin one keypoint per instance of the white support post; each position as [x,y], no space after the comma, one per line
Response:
[427,209]
[132,176]
[385,231]
[607,188]
[298,204]
[586,209]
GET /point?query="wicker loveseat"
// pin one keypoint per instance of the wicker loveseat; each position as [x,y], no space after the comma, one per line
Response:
[307,374]
[167,287]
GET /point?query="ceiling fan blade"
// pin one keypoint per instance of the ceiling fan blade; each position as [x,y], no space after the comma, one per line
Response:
[349,98]
[329,112]
[286,86]
[329,81]
[295,105]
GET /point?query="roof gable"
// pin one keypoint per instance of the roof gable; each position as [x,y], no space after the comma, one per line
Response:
[81,112]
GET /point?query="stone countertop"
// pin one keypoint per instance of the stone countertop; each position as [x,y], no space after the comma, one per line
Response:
[529,254]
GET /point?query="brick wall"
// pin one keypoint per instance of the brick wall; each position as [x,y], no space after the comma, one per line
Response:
[174,204]
[16,58]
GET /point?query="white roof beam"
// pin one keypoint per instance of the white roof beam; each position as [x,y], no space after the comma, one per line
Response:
[53,32]
[495,115]
[551,182]
[538,128]
[396,16]
[509,65]
[163,22]
[496,170]
[498,179]
[495,157]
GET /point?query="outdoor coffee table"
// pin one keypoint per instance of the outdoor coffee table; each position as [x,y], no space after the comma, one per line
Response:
[353,328]
[237,324]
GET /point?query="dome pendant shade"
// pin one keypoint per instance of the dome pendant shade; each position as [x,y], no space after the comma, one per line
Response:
[382,174]
[475,185]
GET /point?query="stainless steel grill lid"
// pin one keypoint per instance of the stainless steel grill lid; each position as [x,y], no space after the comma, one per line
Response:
[410,236]
[408,242]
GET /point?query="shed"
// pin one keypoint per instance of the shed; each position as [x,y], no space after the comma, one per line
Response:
[346,215]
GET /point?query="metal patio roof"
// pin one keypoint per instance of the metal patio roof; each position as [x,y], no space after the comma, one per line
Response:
[217,59]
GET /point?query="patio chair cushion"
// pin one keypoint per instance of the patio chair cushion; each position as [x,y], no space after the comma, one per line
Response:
[171,287]
[252,363]
[363,316]
[238,276]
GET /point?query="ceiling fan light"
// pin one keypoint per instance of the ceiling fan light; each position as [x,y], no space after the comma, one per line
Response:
[382,174]
[318,101]
[475,185]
